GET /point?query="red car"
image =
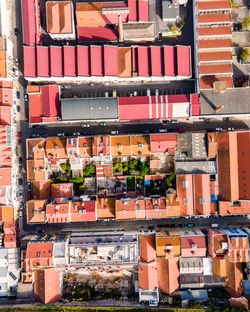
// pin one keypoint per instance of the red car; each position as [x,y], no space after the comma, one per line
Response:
[181,130]
[19,141]
[19,134]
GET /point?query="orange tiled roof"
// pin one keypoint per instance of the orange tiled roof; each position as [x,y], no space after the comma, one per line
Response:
[6,96]
[213,5]
[41,189]
[215,56]
[36,211]
[214,18]
[167,245]
[155,208]
[105,208]
[234,279]
[239,249]
[56,148]
[124,62]
[35,148]
[215,44]
[185,193]
[35,169]
[5,176]
[101,145]
[193,246]
[62,190]
[47,285]
[140,145]
[202,196]
[120,146]
[6,213]
[59,17]
[147,248]
[125,210]
[3,71]
[58,213]
[148,276]
[85,147]
[214,31]
[168,274]
[227,208]
[213,69]
[206,82]
[219,267]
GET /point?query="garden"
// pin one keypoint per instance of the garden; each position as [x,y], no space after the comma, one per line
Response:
[65,176]
[132,167]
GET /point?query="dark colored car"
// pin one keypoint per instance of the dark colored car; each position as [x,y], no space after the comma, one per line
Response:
[18,109]
[237,27]
[20,160]
[16,31]
[20,181]
[18,94]
[26,97]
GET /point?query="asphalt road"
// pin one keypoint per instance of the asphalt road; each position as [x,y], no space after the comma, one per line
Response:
[202,223]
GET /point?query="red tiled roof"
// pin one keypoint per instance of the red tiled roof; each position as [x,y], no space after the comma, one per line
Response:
[29,59]
[143,8]
[169,61]
[110,60]
[148,276]
[206,82]
[214,18]
[214,31]
[56,61]
[83,61]
[36,250]
[162,142]
[215,56]
[96,59]
[156,61]
[216,69]
[92,34]
[183,61]
[42,56]
[143,61]
[29,22]
[69,58]
[193,246]
[213,5]
[50,101]
[132,5]
[147,248]
[215,44]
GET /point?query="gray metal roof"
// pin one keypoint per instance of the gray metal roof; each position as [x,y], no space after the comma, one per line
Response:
[170,9]
[58,249]
[89,108]
[200,294]
[235,101]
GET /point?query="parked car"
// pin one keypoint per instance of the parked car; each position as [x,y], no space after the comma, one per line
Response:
[102,124]
[86,126]
[35,135]
[19,141]
[20,160]
[18,95]
[60,134]
[44,135]
[43,127]
[20,181]
[26,97]
[237,27]
[19,134]
[146,131]
[114,132]
[174,121]
[15,31]
[17,61]
[18,108]
[35,127]
[20,193]
[76,133]
[165,121]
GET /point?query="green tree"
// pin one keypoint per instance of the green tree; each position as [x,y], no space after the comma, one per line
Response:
[66,169]
[171,180]
[246,21]
[133,165]
[117,167]
[89,170]
[125,167]
[245,54]
[77,180]
[144,168]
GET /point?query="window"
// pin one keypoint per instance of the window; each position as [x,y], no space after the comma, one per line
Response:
[38,254]
[140,145]
[202,200]
[185,184]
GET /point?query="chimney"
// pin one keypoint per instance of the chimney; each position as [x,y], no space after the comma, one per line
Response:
[120,28]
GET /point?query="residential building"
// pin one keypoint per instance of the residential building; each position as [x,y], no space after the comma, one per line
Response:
[47,286]
[193,243]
